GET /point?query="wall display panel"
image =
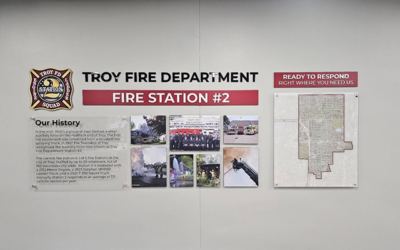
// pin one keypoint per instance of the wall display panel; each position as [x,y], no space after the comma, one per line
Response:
[316,140]
[149,167]
[181,170]
[79,153]
[214,37]
[240,167]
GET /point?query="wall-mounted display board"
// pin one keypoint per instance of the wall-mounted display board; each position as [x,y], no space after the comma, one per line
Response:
[79,153]
[197,58]
[316,140]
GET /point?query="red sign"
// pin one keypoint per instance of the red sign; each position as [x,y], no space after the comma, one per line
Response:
[169,97]
[315,79]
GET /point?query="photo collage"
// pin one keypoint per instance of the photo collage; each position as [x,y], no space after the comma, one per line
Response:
[186,144]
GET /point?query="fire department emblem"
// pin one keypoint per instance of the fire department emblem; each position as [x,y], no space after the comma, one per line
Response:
[51,89]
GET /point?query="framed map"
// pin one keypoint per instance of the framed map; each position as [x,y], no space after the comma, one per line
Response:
[315,140]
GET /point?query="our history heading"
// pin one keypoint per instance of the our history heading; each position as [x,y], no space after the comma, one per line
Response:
[170,76]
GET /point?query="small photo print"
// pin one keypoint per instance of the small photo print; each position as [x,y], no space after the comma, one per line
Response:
[208,170]
[149,168]
[194,133]
[181,170]
[241,129]
[241,167]
[148,129]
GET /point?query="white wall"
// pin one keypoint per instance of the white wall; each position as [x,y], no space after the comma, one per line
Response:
[263,36]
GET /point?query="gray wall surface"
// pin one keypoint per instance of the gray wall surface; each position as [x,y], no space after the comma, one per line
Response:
[192,36]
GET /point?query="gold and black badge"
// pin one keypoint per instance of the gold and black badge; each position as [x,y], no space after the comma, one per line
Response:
[51,89]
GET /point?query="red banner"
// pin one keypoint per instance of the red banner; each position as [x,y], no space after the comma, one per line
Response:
[315,79]
[170,97]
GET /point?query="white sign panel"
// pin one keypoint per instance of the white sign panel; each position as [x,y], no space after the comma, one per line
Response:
[80,153]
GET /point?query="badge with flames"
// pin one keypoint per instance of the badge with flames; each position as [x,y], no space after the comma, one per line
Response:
[51,89]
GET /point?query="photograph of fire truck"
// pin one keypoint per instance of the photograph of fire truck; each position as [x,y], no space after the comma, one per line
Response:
[241,129]
[149,168]
[148,129]
[240,167]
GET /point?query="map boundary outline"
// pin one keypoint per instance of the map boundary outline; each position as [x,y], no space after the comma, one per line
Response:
[298,133]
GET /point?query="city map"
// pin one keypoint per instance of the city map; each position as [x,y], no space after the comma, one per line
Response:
[321,131]
[316,140]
